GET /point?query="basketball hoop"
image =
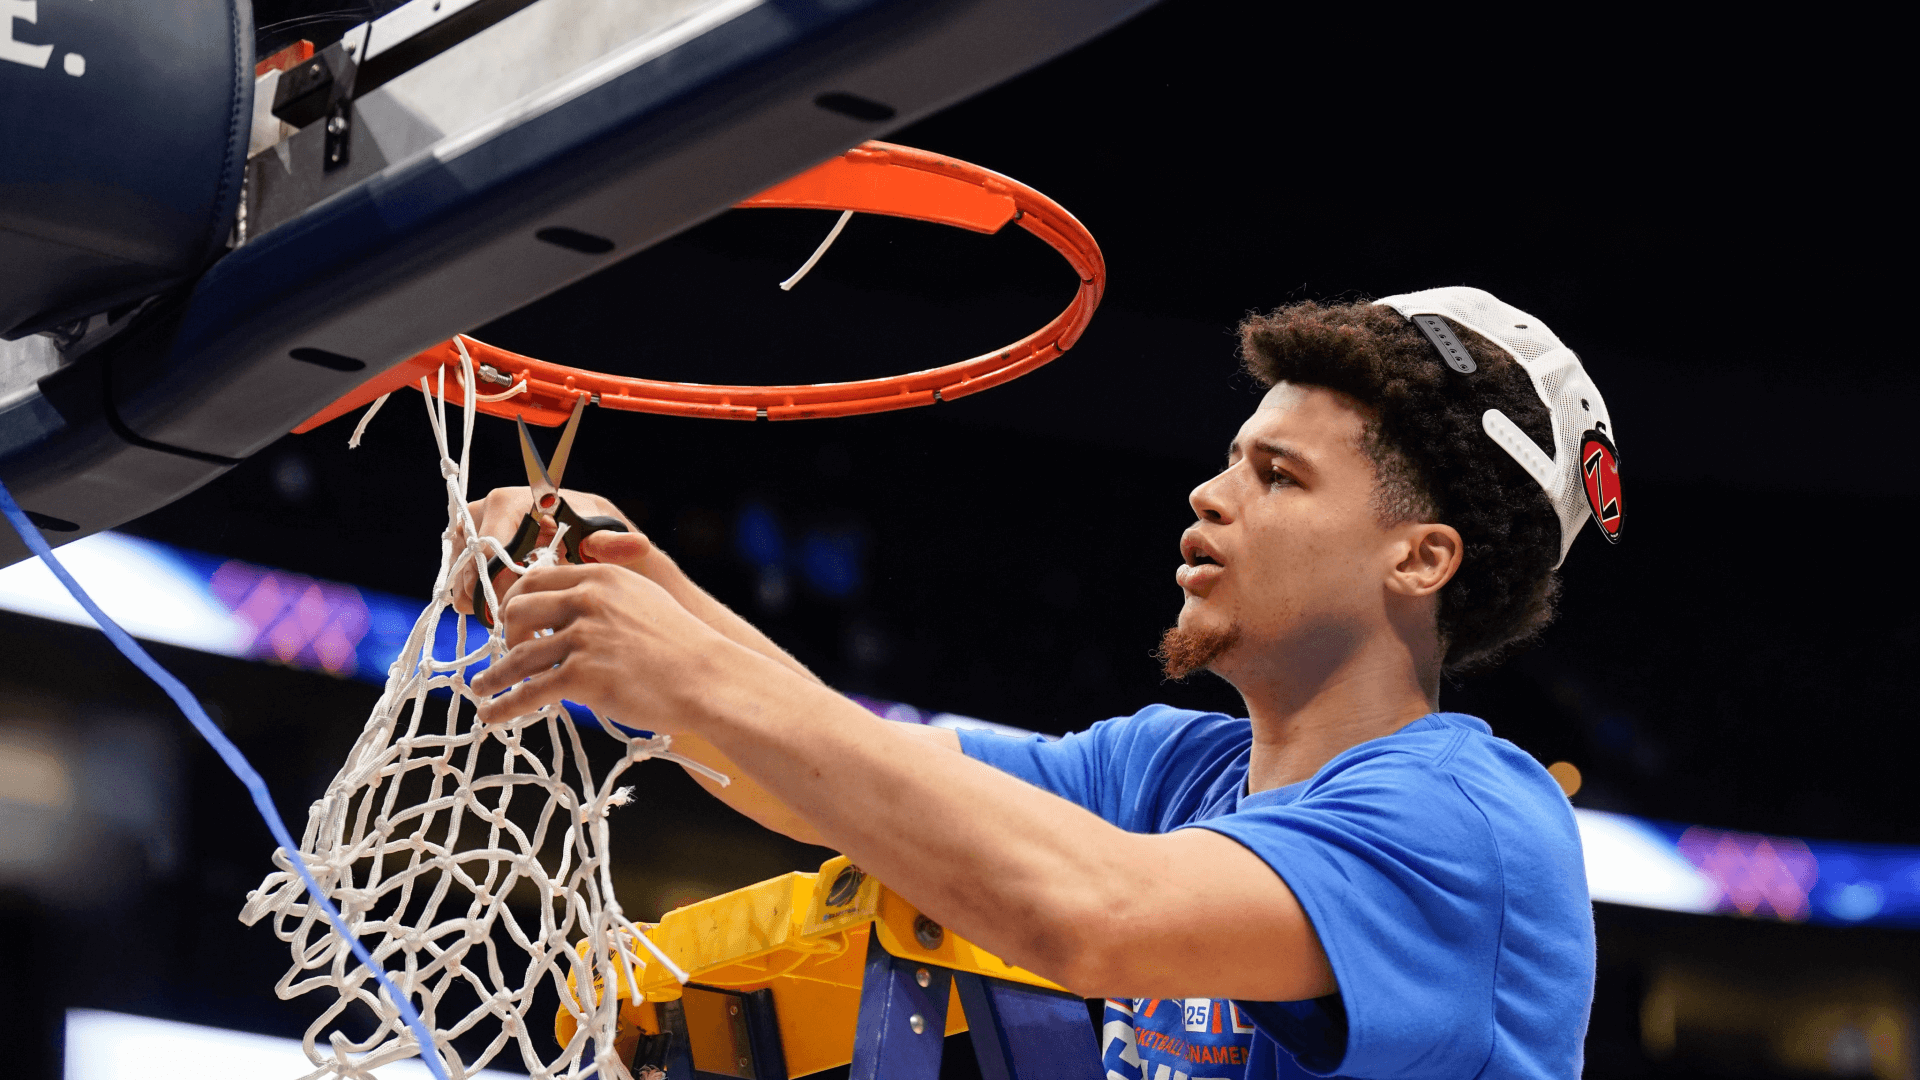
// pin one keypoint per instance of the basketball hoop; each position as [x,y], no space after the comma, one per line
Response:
[424,879]
[873,178]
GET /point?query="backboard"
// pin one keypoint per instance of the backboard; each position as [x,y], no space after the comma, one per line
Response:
[451,163]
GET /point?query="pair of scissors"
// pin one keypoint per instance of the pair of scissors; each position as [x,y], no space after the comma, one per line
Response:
[544,482]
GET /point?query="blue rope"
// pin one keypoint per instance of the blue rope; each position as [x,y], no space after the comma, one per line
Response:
[235,760]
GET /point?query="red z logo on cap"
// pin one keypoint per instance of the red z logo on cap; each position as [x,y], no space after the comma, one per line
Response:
[1600,468]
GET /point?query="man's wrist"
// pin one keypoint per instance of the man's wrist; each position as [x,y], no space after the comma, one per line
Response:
[738,692]
[721,681]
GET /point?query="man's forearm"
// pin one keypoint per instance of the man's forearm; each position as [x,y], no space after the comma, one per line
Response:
[1021,871]
[1024,873]
[659,566]
[743,794]
[960,838]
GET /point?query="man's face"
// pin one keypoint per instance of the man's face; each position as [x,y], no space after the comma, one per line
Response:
[1288,552]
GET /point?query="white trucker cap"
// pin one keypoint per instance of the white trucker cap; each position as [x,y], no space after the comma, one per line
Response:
[1581,471]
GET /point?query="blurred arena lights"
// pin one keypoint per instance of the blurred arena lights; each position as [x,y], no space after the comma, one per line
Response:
[223,606]
[146,587]
[236,609]
[112,1046]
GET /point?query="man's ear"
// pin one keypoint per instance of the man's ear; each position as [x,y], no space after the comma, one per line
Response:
[1429,557]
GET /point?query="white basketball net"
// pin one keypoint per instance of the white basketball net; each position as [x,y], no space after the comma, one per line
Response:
[423,875]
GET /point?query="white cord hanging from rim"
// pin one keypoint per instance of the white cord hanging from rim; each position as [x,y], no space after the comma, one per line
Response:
[832,235]
[454,884]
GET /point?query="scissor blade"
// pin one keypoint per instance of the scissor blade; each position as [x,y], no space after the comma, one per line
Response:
[537,478]
[559,469]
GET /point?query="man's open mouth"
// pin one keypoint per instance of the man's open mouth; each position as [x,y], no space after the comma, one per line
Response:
[1193,573]
[1194,551]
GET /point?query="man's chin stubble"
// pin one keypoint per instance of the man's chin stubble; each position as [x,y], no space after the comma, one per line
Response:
[1183,652]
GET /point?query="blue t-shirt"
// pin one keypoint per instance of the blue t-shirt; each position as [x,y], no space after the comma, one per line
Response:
[1441,869]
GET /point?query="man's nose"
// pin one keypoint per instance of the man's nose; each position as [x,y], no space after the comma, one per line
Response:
[1209,502]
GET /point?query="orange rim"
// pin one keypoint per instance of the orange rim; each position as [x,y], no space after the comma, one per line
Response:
[873,178]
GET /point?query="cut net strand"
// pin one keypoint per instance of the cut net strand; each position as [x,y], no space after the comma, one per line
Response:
[832,235]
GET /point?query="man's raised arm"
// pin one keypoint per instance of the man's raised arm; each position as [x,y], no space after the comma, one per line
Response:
[499,514]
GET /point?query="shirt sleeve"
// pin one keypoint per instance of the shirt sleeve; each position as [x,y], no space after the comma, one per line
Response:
[1397,869]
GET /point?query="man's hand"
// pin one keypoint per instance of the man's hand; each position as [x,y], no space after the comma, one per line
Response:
[592,634]
[610,594]
[499,514]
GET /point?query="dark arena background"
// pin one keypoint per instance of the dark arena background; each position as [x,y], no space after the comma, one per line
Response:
[1695,216]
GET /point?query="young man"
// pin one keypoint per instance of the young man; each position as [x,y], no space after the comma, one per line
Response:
[1346,882]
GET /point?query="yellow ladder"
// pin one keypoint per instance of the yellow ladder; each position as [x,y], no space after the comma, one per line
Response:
[805,972]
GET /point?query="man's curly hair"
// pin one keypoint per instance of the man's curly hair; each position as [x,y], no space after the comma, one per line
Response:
[1432,460]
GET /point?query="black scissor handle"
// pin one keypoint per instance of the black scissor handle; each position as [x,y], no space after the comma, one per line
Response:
[579,528]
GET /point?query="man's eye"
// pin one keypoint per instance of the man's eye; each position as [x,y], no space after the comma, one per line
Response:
[1278,477]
